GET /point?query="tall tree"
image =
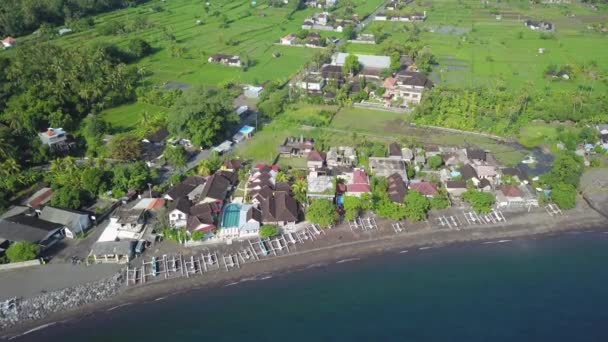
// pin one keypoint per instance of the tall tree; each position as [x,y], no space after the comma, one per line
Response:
[201,115]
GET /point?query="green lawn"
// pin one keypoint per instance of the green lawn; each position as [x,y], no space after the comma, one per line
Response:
[127,117]
[365,120]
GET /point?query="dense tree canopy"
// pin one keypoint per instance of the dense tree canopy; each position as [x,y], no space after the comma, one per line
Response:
[22,251]
[321,212]
[481,202]
[52,86]
[564,195]
[416,206]
[23,16]
[176,155]
[269,230]
[202,115]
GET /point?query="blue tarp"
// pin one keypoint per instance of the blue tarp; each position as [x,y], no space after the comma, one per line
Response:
[246,130]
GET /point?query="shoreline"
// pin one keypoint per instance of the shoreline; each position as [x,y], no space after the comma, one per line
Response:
[581,220]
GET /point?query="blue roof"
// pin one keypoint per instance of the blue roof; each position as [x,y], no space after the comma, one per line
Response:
[246,130]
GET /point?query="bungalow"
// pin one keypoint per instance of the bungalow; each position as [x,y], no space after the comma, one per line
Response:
[456,188]
[296,147]
[397,189]
[544,26]
[425,188]
[394,151]
[312,82]
[240,221]
[120,252]
[216,188]
[358,184]
[476,155]
[315,159]
[468,173]
[224,59]
[509,195]
[332,72]
[178,212]
[191,188]
[203,217]
[73,222]
[280,209]
[485,171]
[54,138]
[9,42]
[223,148]
[39,198]
[407,85]
[289,39]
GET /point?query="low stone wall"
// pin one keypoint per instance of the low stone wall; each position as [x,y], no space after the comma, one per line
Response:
[16,265]
[26,309]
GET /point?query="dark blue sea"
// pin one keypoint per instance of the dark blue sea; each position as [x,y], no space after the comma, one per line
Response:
[544,289]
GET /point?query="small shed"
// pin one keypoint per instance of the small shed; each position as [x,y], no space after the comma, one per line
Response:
[252,92]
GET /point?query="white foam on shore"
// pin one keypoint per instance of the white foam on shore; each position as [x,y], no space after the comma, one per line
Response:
[402,252]
[232,284]
[315,265]
[266,277]
[160,298]
[426,247]
[118,306]
[34,329]
[347,260]
[503,241]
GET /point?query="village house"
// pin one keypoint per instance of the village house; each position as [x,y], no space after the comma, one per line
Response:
[358,183]
[425,188]
[8,42]
[296,147]
[542,25]
[26,226]
[280,209]
[252,92]
[476,155]
[217,187]
[312,82]
[485,172]
[315,160]
[54,138]
[191,188]
[73,222]
[119,252]
[456,188]
[468,173]
[406,85]
[289,39]
[395,16]
[397,188]
[224,59]
[332,72]
[244,133]
[407,154]
[125,223]
[178,212]
[39,198]
[394,151]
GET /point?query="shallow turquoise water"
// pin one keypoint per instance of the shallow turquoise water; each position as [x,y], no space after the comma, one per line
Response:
[549,289]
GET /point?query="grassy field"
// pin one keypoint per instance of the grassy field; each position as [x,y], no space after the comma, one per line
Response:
[473,48]
[126,117]
[368,125]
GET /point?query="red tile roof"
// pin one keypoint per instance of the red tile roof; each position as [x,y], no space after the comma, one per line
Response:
[425,188]
[511,191]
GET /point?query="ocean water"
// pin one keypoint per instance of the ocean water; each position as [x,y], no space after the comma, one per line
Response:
[546,289]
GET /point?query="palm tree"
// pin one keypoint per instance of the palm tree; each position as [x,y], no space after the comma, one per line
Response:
[282,177]
[299,189]
[203,169]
